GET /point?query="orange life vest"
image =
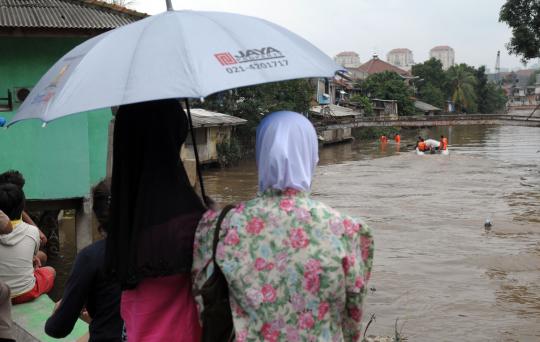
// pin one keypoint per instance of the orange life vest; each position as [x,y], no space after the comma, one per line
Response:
[444,143]
[397,138]
[421,146]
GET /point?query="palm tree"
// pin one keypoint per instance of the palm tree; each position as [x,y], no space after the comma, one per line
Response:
[462,83]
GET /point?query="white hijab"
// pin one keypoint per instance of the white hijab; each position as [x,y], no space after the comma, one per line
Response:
[287,151]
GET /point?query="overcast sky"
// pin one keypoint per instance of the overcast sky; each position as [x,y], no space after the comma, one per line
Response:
[471,27]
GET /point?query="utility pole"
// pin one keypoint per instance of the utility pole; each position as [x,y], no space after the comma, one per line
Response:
[169,5]
[498,68]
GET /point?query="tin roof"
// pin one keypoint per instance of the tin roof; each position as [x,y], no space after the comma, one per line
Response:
[335,110]
[65,14]
[205,118]
[425,107]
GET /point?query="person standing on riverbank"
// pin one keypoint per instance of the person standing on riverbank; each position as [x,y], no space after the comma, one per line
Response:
[154,214]
[297,269]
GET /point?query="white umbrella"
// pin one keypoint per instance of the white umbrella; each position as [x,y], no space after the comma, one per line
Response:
[176,54]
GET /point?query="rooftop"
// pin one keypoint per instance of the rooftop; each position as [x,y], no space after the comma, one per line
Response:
[347,53]
[399,50]
[376,65]
[425,107]
[205,118]
[441,47]
[335,110]
[65,14]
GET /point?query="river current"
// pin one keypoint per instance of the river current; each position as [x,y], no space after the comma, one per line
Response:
[436,268]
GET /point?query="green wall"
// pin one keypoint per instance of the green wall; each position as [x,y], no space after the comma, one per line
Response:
[64,158]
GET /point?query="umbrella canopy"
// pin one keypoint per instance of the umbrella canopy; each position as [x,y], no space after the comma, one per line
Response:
[176,54]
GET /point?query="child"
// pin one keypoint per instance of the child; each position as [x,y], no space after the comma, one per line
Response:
[6,323]
[18,251]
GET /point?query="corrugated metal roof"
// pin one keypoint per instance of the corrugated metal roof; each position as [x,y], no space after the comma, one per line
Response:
[65,14]
[426,107]
[205,118]
[335,110]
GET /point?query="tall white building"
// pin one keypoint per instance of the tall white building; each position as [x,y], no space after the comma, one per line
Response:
[443,53]
[348,59]
[402,58]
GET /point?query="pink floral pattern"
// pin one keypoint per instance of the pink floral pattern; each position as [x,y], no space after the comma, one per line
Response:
[294,267]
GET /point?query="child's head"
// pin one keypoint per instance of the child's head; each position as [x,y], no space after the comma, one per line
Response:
[101,198]
[12,200]
[13,177]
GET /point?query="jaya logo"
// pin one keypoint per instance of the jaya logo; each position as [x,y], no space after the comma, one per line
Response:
[250,55]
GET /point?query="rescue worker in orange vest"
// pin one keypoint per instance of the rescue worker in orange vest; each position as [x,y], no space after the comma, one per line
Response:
[397,138]
[444,142]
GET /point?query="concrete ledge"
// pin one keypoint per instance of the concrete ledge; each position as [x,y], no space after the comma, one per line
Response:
[29,322]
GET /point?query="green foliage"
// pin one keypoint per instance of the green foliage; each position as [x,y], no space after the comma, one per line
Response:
[532,79]
[370,133]
[462,87]
[252,103]
[491,99]
[431,73]
[389,86]
[523,17]
[432,95]
[229,152]
[363,102]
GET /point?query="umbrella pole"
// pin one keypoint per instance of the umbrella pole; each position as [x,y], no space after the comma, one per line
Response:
[196,152]
[169,5]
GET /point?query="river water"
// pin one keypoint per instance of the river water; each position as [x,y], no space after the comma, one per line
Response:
[436,269]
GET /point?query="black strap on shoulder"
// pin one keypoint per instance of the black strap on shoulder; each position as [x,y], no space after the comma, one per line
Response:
[217,229]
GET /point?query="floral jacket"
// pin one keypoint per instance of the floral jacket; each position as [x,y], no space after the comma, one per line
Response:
[297,269]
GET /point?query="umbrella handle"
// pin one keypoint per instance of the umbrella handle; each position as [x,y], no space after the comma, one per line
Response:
[196,152]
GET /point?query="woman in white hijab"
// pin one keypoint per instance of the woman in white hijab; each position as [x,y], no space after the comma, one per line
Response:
[297,269]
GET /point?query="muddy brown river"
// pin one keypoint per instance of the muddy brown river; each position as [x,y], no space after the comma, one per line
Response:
[436,268]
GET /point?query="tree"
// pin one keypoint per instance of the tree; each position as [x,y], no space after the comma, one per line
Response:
[432,95]
[252,103]
[462,85]
[431,71]
[363,102]
[389,86]
[122,3]
[523,16]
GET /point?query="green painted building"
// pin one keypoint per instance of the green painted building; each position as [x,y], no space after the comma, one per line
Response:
[63,159]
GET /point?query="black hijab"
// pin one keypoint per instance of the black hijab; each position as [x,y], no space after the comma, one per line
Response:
[154,209]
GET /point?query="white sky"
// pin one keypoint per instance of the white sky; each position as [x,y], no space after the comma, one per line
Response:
[471,27]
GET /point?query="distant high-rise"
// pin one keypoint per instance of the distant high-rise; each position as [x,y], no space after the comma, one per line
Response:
[402,58]
[348,59]
[443,53]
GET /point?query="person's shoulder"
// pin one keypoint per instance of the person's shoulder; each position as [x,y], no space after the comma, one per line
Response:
[332,215]
[28,229]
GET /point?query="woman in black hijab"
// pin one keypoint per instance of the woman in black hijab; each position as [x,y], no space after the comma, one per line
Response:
[154,214]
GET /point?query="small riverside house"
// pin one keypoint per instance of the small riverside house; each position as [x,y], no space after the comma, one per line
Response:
[211,129]
[64,159]
[426,108]
[333,114]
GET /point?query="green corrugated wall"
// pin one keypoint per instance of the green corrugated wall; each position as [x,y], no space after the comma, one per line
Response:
[63,159]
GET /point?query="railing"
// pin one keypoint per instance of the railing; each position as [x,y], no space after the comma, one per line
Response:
[433,120]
